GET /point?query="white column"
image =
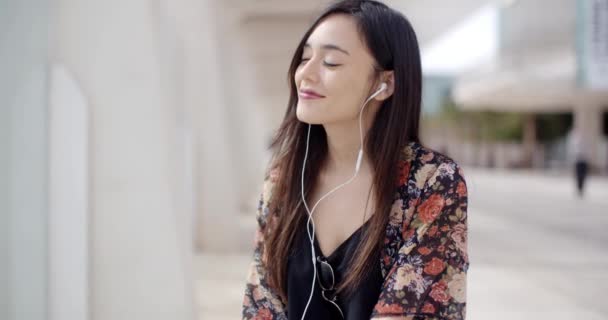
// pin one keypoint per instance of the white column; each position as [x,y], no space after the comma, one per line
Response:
[117,51]
[588,125]
[68,240]
[217,165]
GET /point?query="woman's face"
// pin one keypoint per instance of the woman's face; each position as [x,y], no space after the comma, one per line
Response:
[335,74]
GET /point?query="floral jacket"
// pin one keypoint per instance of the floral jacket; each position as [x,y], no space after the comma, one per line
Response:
[424,260]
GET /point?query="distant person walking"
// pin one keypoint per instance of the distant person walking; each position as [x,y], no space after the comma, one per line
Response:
[581,164]
[581,167]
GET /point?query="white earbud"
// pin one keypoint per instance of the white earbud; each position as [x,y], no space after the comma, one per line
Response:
[383,86]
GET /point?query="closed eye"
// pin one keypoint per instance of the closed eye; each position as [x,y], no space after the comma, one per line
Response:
[331,65]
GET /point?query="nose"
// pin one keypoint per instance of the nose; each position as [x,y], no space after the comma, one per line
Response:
[308,71]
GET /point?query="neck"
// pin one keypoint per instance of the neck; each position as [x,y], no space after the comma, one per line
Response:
[343,144]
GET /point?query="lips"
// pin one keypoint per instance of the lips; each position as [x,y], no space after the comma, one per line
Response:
[310,94]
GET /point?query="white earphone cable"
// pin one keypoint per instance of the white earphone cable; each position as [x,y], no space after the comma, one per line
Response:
[310,220]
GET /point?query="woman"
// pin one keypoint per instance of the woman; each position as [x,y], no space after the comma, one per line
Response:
[388,239]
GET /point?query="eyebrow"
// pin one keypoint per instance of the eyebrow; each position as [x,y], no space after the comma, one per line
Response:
[329,47]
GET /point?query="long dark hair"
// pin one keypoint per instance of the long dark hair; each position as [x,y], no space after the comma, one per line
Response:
[393,44]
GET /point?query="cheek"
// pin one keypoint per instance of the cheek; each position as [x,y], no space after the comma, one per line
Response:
[341,85]
[349,88]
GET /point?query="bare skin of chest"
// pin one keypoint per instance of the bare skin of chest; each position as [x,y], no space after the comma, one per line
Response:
[340,214]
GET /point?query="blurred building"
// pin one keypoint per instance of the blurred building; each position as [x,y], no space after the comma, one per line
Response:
[552,58]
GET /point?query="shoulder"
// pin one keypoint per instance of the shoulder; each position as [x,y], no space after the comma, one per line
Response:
[425,166]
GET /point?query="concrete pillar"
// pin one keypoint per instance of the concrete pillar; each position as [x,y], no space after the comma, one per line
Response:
[587,130]
[125,56]
[216,166]
[68,225]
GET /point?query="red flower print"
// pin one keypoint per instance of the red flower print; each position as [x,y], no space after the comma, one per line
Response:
[408,233]
[263,314]
[434,267]
[430,209]
[432,231]
[428,308]
[384,308]
[424,250]
[438,292]
[404,172]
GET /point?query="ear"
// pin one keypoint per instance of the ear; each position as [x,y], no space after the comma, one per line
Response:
[387,77]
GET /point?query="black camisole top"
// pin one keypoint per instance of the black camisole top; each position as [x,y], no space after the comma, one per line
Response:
[357,306]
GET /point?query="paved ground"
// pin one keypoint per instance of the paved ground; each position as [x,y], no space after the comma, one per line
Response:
[537,252]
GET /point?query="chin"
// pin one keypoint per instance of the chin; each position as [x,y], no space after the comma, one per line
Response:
[306,117]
